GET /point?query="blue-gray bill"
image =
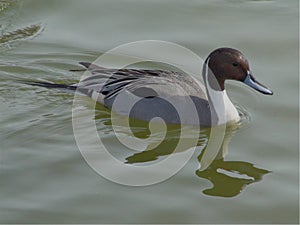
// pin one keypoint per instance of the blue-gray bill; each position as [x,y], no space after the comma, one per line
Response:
[251,82]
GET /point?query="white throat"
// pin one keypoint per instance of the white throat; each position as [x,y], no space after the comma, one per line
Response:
[223,111]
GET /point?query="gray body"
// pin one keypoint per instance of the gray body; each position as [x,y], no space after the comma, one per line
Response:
[175,97]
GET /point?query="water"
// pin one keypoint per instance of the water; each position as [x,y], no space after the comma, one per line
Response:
[44,178]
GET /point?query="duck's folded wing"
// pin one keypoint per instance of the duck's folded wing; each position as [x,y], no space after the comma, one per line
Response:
[104,85]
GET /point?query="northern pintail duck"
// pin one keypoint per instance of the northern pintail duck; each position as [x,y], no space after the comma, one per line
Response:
[146,94]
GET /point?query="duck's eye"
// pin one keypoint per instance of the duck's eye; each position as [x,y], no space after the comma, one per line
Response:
[235,64]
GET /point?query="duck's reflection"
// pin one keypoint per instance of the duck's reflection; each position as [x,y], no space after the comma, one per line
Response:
[228,178]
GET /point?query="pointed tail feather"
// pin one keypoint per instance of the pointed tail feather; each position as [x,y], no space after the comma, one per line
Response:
[49,84]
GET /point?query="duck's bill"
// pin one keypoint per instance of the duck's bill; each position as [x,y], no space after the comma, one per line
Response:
[252,82]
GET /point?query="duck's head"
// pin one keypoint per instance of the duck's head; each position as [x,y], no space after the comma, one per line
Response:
[229,63]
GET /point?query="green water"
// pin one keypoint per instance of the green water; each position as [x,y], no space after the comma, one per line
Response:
[45,179]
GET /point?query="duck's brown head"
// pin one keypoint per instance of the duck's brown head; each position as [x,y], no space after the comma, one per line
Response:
[229,63]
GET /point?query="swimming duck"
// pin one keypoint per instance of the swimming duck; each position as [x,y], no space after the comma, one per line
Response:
[146,94]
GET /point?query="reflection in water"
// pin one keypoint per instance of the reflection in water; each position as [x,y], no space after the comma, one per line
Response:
[229,178]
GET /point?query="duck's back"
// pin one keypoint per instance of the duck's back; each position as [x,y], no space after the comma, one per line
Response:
[144,94]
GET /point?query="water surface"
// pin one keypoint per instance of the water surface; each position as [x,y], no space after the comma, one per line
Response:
[44,178]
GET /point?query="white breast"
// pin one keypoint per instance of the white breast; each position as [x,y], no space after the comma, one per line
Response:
[230,110]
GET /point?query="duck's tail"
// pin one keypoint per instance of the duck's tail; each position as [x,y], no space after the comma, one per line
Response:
[47,84]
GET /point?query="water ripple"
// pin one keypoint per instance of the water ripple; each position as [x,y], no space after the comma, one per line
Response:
[9,39]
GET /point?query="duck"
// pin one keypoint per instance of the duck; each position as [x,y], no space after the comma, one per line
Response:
[173,96]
